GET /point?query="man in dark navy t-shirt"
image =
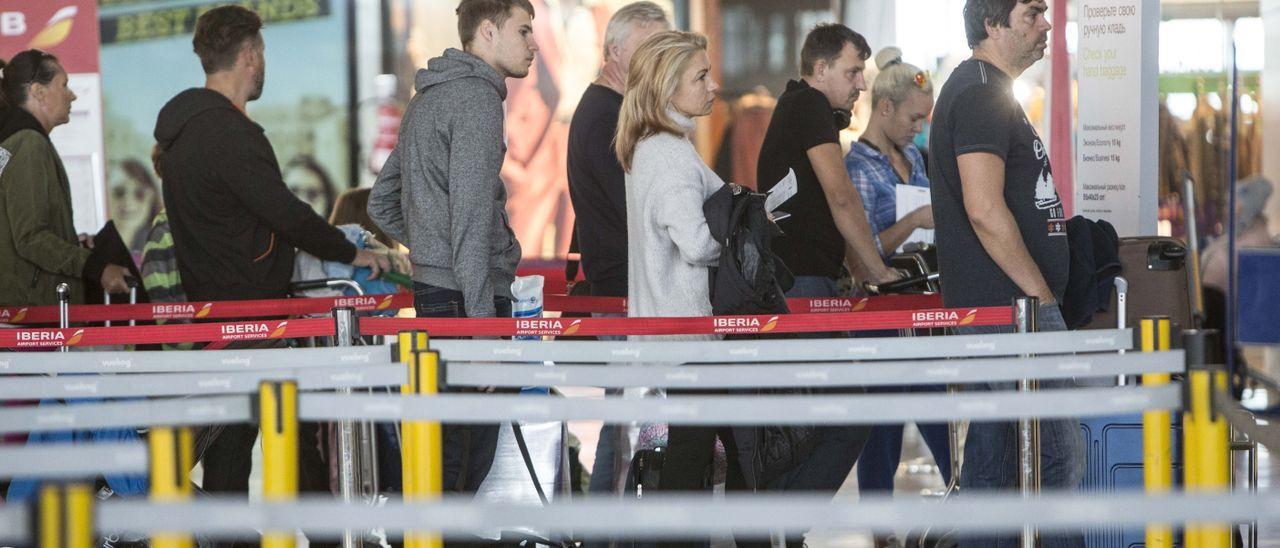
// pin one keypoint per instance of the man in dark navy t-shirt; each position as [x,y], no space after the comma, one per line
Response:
[1001,229]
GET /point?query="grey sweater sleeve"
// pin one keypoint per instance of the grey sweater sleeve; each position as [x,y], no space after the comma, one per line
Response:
[384,200]
[475,162]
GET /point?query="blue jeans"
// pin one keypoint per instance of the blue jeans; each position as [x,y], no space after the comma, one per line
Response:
[880,458]
[611,460]
[468,448]
[991,450]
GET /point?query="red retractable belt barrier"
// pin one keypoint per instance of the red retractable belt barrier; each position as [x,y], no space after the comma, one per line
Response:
[720,325]
[204,310]
[175,333]
[323,305]
[618,305]
[506,327]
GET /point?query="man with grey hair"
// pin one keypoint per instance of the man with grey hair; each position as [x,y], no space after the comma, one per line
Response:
[596,186]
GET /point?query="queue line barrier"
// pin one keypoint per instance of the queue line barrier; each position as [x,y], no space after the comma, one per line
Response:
[678,411]
[504,375]
[212,361]
[498,327]
[671,516]
[692,410]
[151,385]
[262,308]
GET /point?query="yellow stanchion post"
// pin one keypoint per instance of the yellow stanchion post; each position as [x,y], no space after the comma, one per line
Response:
[170,450]
[64,516]
[49,516]
[78,499]
[278,416]
[1206,436]
[1215,459]
[408,345]
[1157,448]
[427,445]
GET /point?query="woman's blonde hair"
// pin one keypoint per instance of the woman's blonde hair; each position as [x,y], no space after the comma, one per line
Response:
[898,80]
[652,80]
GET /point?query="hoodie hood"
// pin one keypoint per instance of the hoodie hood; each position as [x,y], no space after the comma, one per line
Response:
[15,119]
[456,64]
[183,107]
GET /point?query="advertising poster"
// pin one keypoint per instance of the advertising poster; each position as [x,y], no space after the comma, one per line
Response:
[147,58]
[570,37]
[68,29]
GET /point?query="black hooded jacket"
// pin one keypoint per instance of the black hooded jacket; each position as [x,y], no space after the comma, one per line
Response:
[234,222]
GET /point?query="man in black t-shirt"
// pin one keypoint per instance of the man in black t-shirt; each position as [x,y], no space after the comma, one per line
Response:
[827,222]
[596,180]
[597,187]
[1000,227]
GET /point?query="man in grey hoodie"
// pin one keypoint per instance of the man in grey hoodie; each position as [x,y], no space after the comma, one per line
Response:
[441,195]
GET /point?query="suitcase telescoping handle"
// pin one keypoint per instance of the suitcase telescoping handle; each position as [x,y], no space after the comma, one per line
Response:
[133,296]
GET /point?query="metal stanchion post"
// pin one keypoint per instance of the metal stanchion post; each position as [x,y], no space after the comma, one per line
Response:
[422,440]
[1207,437]
[344,320]
[278,415]
[64,309]
[78,512]
[1157,451]
[170,450]
[64,516]
[1025,309]
[48,512]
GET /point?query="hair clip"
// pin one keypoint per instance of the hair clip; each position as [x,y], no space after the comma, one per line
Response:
[921,79]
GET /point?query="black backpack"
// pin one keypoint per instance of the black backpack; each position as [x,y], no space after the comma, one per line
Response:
[749,279]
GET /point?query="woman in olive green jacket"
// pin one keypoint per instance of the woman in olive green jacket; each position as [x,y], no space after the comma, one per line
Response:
[38,244]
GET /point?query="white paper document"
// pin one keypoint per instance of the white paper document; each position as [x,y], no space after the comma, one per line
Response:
[909,199]
[781,192]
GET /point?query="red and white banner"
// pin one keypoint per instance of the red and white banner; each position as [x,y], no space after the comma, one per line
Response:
[156,334]
[219,333]
[204,310]
[617,305]
[371,303]
[68,29]
[708,325]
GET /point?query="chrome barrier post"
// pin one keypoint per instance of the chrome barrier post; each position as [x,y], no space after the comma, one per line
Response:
[64,308]
[1122,319]
[1025,309]
[345,332]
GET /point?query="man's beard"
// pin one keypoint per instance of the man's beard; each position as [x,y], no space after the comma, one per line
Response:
[258,82]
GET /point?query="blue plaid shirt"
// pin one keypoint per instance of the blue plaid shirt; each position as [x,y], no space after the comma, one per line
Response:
[874,177]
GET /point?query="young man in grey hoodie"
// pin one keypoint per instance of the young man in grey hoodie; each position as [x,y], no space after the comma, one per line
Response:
[440,193]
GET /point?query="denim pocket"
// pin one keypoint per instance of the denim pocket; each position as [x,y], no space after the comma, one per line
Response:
[437,302]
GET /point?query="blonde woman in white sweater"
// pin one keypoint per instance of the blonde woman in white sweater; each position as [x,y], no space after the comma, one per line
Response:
[669,245]
[668,242]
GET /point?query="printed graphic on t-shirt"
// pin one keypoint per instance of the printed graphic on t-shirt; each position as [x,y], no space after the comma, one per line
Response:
[1046,194]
